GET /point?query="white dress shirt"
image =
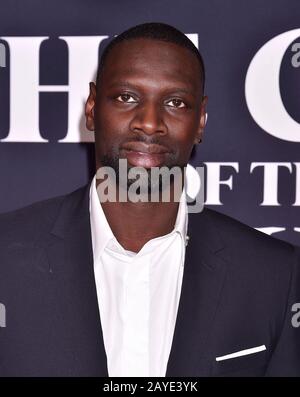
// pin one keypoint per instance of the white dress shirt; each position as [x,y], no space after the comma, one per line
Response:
[138,293]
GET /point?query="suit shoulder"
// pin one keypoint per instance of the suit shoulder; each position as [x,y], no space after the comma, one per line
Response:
[29,222]
[263,265]
[246,239]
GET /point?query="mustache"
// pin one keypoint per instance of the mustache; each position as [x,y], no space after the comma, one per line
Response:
[148,141]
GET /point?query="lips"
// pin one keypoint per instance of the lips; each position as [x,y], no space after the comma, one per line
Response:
[140,154]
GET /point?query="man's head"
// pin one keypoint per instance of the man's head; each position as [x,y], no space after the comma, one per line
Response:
[148,105]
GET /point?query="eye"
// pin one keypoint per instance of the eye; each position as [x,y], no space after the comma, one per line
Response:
[127,98]
[177,103]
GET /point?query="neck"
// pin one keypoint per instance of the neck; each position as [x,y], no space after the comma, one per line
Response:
[135,223]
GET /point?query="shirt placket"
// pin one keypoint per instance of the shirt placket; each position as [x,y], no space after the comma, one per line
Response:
[136,326]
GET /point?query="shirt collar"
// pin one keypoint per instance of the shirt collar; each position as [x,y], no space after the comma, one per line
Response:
[100,229]
[102,233]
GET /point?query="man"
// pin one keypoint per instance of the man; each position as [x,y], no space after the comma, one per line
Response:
[123,288]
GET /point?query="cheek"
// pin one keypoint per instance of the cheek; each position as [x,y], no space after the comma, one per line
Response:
[105,122]
[109,128]
[183,135]
[109,117]
[184,125]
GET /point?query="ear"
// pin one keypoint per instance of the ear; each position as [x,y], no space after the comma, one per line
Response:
[90,108]
[202,122]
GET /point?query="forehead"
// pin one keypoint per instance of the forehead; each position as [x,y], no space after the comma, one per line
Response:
[152,60]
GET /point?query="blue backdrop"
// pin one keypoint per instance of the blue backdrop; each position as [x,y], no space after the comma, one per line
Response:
[48,53]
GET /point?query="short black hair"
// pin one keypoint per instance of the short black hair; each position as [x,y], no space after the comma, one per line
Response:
[155,31]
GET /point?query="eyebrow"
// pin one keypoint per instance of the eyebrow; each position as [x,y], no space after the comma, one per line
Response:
[126,84]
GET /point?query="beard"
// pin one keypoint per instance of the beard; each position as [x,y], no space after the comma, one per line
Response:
[149,180]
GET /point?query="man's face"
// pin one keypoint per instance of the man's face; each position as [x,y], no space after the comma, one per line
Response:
[148,107]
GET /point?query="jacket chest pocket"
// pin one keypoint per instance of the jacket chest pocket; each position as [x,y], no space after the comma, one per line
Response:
[250,364]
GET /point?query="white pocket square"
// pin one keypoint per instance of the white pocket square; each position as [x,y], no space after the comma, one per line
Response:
[242,353]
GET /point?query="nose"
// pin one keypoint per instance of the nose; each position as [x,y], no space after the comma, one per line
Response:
[149,119]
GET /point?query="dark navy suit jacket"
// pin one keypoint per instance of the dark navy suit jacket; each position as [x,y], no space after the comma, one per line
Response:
[238,289]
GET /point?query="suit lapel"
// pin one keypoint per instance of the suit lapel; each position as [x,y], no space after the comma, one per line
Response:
[70,257]
[203,278]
